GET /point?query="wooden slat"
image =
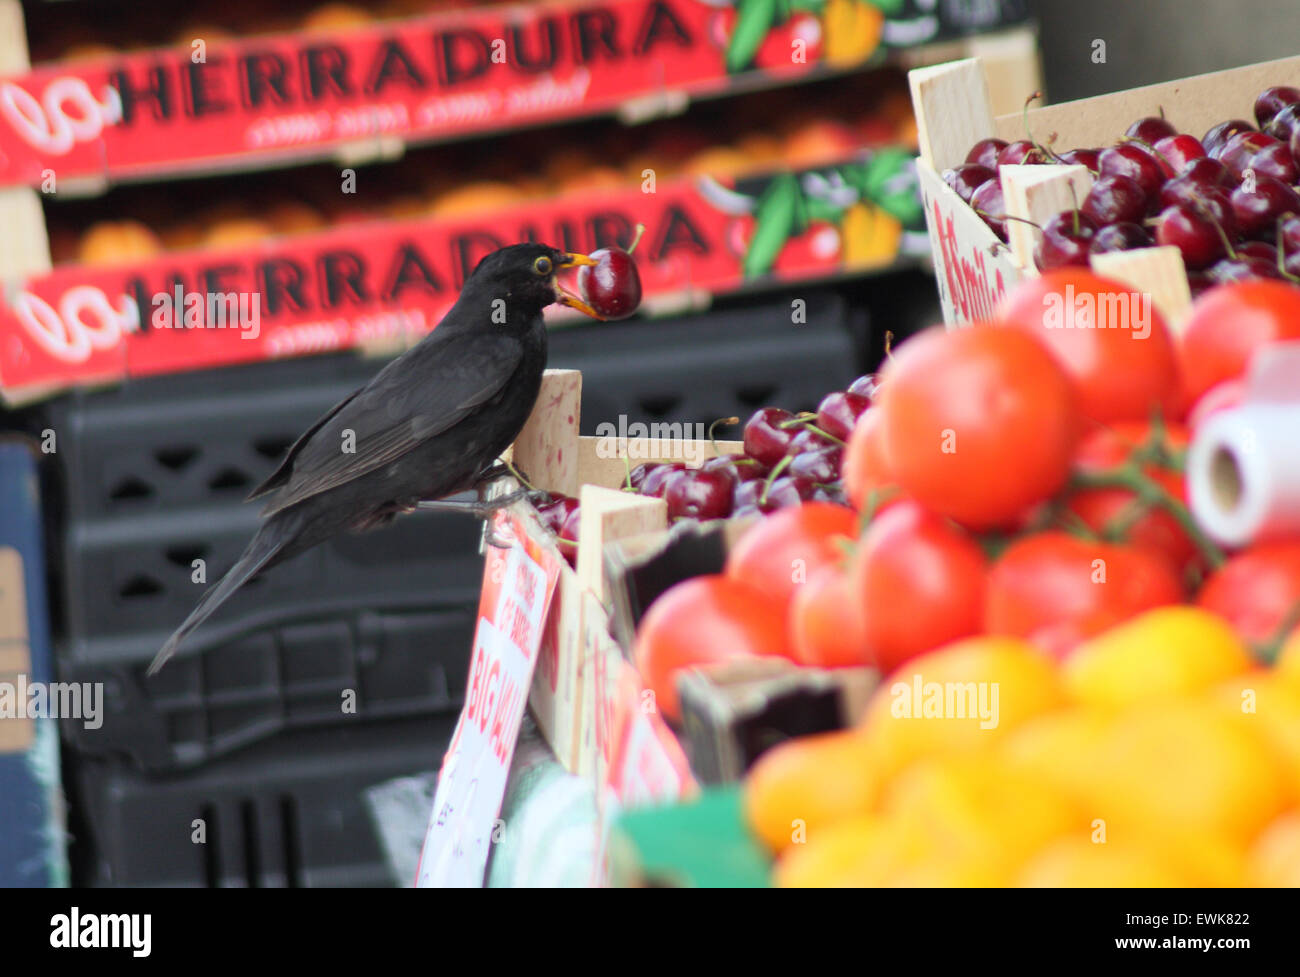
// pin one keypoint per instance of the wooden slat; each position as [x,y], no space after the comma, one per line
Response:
[953,112]
[1191,104]
[600,461]
[14,59]
[547,447]
[607,515]
[1158,272]
[1037,193]
[1011,66]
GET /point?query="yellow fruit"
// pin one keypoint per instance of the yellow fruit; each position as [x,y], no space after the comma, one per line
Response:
[1080,863]
[1274,859]
[1061,749]
[972,692]
[852,30]
[1183,768]
[110,242]
[1288,662]
[333,16]
[1164,653]
[855,852]
[804,785]
[1269,708]
[291,217]
[478,197]
[873,852]
[980,813]
[871,236]
[228,233]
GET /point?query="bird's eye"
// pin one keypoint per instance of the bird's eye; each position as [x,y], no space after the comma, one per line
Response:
[542,265]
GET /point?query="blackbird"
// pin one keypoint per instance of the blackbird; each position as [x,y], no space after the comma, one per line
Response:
[430,424]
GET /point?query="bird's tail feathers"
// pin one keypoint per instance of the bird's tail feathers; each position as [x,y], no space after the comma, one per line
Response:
[260,552]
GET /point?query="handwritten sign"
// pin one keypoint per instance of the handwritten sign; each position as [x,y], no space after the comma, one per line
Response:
[518,584]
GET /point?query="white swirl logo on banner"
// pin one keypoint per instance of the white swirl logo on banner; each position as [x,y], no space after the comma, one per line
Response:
[85,321]
[67,114]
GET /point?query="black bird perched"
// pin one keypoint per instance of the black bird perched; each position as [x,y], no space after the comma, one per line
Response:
[430,424]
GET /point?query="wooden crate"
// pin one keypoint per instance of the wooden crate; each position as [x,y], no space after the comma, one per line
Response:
[586,691]
[582,668]
[954,110]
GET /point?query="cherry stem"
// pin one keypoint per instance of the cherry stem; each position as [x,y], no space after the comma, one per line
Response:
[1281,251]
[519,477]
[720,420]
[777,469]
[627,479]
[807,421]
[889,342]
[1129,476]
[1047,153]
[640,229]
[1208,214]
[1074,198]
[1023,220]
[1152,150]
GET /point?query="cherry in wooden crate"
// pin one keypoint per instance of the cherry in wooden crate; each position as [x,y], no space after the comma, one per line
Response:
[975,268]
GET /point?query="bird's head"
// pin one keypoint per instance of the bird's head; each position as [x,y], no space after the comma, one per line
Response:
[525,275]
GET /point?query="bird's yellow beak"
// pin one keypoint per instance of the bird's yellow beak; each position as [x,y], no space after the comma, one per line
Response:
[564,297]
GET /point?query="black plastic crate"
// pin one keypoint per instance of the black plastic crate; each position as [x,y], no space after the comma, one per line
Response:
[288,812]
[316,672]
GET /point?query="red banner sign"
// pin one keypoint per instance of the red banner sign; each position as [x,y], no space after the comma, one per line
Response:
[385,283]
[426,78]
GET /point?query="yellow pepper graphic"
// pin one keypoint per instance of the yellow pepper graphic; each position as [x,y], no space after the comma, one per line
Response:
[870,236]
[852,31]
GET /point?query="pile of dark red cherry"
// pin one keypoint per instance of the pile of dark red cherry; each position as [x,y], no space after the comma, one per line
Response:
[787,459]
[1227,201]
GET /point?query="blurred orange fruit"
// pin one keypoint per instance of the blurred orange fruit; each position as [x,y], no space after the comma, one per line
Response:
[802,787]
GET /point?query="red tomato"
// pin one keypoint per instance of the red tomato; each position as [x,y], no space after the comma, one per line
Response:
[699,621]
[864,469]
[1056,589]
[789,547]
[978,423]
[826,626]
[1228,323]
[1256,590]
[1156,531]
[1125,365]
[920,583]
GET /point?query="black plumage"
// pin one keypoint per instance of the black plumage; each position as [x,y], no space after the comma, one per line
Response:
[426,427]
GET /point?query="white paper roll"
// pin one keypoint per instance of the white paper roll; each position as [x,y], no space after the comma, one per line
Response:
[1243,473]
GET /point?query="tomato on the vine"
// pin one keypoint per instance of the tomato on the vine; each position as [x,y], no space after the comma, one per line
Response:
[919,581]
[1229,323]
[699,621]
[826,625]
[1056,589]
[1257,591]
[978,423]
[864,470]
[1155,530]
[1122,359]
[787,547]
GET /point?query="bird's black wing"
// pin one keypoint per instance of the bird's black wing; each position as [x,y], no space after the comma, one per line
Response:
[281,474]
[428,390]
